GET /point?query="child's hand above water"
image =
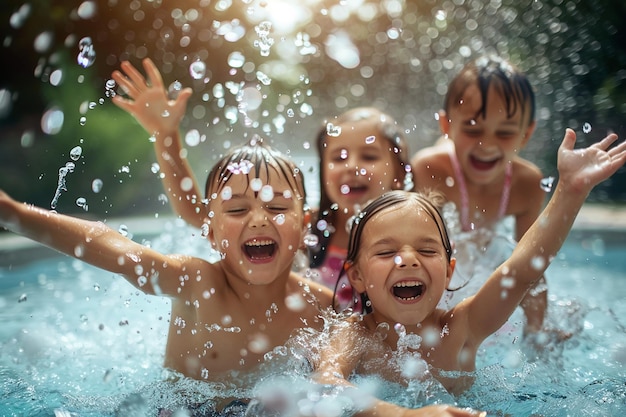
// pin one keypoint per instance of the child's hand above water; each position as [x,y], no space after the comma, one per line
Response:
[148,101]
[582,169]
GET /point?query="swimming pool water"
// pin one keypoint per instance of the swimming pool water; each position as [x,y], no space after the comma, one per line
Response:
[78,341]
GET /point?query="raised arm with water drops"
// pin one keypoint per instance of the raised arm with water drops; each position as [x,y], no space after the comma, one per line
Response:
[579,171]
[95,243]
[149,103]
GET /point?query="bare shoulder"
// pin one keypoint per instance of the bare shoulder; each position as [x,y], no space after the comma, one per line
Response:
[431,166]
[526,183]
[432,154]
[187,276]
[526,172]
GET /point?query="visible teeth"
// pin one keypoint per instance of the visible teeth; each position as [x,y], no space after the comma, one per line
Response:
[259,242]
[408,290]
[408,284]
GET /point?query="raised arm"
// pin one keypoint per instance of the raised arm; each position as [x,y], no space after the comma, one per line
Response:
[148,102]
[579,171]
[96,244]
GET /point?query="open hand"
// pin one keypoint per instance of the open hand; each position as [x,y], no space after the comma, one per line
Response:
[147,98]
[581,169]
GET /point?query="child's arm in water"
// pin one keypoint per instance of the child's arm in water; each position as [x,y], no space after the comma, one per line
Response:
[148,102]
[99,245]
[579,171]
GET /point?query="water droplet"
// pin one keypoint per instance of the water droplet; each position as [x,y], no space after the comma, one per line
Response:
[507,282]
[263,78]
[370,139]
[197,70]
[87,10]
[227,193]
[311,240]
[75,153]
[546,184]
[397,260]
[345,189]
[82,203]
[267,193]
[332,130]
[400,329]
[236,59]
[256,184]
[52,121]
[86,53]
[174,90]
[96,185]
[587,127]
[192,138]
[279,219]
[186,184]
[538,263]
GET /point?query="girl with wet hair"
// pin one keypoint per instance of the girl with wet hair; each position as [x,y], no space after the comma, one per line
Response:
[363,153]
[399,261]
[494,195]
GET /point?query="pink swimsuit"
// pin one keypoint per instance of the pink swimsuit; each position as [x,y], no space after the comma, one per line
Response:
[466,225]
[329,272]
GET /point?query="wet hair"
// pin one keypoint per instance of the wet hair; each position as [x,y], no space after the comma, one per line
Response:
[510,83]
[254,157]
[430,202]
[389,130]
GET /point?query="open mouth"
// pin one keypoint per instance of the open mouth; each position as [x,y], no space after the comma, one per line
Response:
[259,250]
[483,165]
[354,189]
[408,290]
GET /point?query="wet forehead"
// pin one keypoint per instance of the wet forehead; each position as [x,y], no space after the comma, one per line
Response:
[407,220]
[471,101]
[357,135]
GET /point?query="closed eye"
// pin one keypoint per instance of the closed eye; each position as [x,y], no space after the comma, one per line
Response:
[236,211]
[277,208]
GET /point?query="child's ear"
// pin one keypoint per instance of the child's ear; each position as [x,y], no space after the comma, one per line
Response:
[354,276]
[529,132]
[444,122]
[209,233]
[450,271]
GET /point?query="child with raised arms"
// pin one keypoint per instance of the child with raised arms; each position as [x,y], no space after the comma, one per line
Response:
[226,315]
[400,261]
[363,153]
[488,117]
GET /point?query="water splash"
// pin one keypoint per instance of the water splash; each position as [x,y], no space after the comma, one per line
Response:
[86,52]
[61,184]
[265,42]
[546,184]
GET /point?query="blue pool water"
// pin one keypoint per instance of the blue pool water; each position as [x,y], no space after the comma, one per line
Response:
[78,341]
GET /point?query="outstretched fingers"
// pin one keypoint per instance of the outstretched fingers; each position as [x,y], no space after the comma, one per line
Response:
[137,79]
[154,76]
[569,140]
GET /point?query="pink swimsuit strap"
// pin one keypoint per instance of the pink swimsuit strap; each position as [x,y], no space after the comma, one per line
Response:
[466,225]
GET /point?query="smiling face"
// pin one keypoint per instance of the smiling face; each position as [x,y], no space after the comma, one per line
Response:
[359,164]
[401,264]
[257,224]
[485,142]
